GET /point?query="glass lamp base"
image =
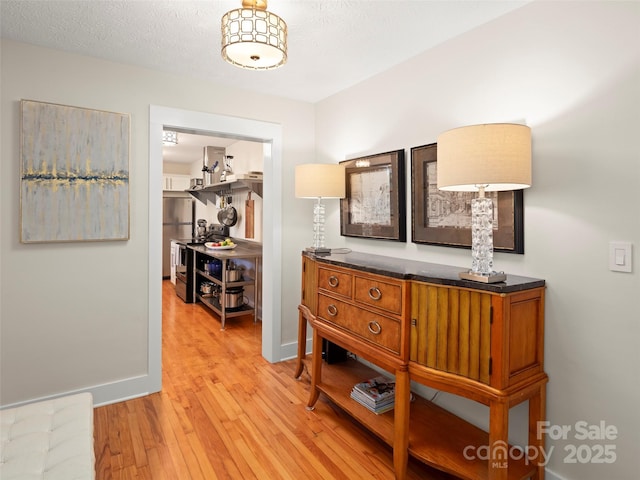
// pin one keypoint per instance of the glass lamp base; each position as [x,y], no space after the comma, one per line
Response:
[482,243]
[492,277]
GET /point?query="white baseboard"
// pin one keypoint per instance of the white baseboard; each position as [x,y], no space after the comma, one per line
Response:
[104,394]
[290,350]
[122,390]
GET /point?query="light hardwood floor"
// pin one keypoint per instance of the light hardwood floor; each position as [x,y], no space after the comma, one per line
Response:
[226,413]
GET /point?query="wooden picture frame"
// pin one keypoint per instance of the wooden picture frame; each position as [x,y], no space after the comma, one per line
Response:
[444,218]
[374,206]
[74,174]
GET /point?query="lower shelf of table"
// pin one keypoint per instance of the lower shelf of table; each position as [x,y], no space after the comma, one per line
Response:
[436,437]
[214,305]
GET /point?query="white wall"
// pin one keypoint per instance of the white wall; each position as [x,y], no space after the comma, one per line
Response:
[571,72]
[75,316]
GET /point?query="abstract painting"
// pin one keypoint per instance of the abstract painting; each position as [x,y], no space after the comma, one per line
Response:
[74,176]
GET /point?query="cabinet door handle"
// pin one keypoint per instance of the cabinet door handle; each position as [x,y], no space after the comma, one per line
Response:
[374,327]
[333,281]
[375,293]
[332,310]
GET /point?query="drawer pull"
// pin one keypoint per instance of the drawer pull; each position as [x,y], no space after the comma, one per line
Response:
[374,327]
[332,310]
[333,281]
[375,293]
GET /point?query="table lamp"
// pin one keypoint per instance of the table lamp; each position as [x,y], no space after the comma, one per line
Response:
[484,158]
[318,181]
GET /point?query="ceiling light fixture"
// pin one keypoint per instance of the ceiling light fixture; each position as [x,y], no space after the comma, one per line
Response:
[254,38]
[169,137]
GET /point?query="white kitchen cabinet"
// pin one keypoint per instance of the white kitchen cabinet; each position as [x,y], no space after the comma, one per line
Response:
[175,182]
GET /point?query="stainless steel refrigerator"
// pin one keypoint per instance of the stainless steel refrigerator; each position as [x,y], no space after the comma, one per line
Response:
[178,214]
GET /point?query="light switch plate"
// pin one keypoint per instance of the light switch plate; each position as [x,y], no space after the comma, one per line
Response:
[620,256]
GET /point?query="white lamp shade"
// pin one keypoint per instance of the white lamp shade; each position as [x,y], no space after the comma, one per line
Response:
[497,156]
[320,180]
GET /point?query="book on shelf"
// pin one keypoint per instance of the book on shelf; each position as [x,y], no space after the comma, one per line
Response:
[377,389]
[380,408]
[376,394]
[358,395]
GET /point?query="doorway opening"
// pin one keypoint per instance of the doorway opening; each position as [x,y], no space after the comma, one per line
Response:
[228,127]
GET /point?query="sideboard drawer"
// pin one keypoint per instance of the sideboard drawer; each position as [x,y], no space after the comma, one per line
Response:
[375,328]
[384,295]
[334,281]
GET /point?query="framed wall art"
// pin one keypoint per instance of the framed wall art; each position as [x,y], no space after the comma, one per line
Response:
[74,174]
[374,206]
[444,218]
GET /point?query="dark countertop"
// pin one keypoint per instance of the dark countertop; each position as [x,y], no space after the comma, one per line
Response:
[422,271]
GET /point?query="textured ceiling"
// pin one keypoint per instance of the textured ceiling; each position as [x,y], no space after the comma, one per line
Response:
[333,44]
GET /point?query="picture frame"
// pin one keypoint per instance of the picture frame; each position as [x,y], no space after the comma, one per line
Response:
[375,205]
[444,218]
[74,173]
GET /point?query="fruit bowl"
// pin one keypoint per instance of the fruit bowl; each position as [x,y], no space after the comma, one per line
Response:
[215,246]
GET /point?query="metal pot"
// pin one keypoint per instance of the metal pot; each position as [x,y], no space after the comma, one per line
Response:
[234,297]
[234,275]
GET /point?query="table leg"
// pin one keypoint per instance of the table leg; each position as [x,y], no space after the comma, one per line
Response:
[401,423]
[316,369]
[498,440]
[537,413]
[302,344]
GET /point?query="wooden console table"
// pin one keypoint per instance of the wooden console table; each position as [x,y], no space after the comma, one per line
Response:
[421,323]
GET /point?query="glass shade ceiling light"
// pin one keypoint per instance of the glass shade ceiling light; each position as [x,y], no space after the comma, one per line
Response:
[316,180]
[254,38]
[484,158]
[169,137]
